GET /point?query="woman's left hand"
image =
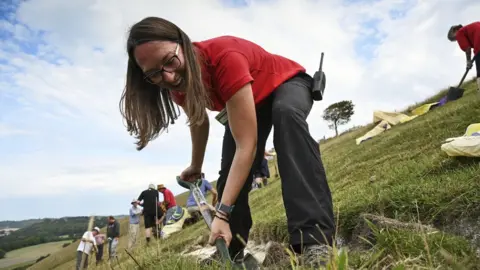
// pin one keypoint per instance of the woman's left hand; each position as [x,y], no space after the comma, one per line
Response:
[220,228]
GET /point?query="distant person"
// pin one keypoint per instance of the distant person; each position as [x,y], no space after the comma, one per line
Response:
[100,240]
[148,199]
[133,229]
[262,173]
[468,38]
[87,243]
[113,234]
[192,207]
[168,201]
[168,197]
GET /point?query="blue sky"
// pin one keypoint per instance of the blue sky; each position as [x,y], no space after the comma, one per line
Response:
[64,148]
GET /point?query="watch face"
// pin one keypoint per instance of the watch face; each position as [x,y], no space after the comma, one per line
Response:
[225,208]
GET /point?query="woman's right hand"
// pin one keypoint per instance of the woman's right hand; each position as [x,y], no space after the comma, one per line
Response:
[191,174]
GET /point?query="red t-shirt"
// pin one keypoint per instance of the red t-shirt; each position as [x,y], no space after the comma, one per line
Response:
[232,62]
[169,198]
[469,37]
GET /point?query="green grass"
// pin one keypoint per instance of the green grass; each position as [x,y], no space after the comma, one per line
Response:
[414,182]
[29,254]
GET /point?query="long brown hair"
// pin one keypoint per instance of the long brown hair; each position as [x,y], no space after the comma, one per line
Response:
[148,109]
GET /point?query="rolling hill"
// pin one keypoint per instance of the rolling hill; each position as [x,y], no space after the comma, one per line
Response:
[400,176]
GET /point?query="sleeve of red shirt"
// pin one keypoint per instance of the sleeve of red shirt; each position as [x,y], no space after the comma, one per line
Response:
[462,39]
[232,72]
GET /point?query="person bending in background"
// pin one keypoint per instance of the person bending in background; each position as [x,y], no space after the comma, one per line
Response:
[468,39]
[258,90]
[100,240]
[87,243]
[168,202]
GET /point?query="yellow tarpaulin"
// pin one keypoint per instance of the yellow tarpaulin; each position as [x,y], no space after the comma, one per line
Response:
[175,226]
[389,119]
[467,145]
[423,109]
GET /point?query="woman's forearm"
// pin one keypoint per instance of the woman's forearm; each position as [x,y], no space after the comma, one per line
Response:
[468,54]
[239,171]
[199,136]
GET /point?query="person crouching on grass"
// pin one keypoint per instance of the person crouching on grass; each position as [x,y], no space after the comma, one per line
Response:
[468,38]
[259,90]
[87,244]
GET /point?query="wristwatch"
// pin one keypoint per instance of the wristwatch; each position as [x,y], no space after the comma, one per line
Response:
[224,209]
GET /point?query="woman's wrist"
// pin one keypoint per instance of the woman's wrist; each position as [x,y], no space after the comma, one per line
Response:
[221,213]
[196,165]
[221,216]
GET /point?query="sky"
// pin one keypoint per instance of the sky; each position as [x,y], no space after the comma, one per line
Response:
[64,148]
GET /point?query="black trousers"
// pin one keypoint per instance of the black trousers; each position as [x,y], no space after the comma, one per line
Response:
[99,253]
[306,194]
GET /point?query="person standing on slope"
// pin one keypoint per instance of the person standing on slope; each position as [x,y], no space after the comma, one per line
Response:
[148,199]
[468,38]
[134,227]
[113,235]
[258,90]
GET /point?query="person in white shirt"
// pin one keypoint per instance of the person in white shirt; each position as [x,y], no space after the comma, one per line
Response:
[87,243]
[135,213]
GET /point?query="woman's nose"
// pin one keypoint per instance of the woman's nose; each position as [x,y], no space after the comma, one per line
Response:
[169,77]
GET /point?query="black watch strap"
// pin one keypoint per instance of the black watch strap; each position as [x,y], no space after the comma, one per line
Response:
[224,209]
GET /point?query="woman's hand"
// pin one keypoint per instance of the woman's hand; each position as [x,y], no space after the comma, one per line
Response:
[220,228]
[191,174]
[469,64]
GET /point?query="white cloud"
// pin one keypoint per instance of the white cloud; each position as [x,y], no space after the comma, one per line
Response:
[9,131]
[73,103]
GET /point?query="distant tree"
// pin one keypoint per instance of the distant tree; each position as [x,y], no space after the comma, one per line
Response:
[338,114]
[2,254]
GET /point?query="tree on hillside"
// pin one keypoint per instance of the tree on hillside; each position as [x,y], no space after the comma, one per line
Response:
[338,114]
[2,254]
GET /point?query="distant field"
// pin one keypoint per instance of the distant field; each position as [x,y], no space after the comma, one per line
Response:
[29,254]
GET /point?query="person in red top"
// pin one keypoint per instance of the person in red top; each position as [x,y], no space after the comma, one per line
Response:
[468,38]
[168,197]
[259,90]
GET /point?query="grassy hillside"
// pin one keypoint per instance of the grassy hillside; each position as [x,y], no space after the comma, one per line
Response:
[18,223]
[401,174]
[29,254]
